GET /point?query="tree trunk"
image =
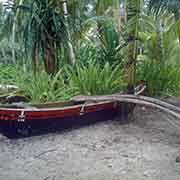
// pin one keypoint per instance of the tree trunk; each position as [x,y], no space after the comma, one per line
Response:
[131,66]
[35,58]
[14,31]
[177,19]
[50,58]
[70,46]
[133,10]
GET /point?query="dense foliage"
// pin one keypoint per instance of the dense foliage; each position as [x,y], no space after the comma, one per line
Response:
[54,50]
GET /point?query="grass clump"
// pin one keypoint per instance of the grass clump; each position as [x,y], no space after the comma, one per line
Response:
[162,80]
[89,79]
[95,79]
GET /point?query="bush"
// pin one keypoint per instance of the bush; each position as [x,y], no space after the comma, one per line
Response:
[162,79]
[39,88]
[44,88]
[94,79]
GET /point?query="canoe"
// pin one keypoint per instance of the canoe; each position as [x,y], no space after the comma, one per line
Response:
[21,118]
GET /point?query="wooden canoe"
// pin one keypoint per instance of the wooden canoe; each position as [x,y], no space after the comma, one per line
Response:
[20,117]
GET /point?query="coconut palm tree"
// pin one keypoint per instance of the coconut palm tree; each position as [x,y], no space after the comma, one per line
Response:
[170,5]
[159,41]
[46,30]
[44,33]
[14,28]
[70,45]
[10,49]
[133,9]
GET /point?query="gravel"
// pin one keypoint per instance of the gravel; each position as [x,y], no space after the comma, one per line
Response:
[145,148]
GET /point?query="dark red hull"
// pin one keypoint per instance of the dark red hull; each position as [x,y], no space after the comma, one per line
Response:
[19,115]
[40,115]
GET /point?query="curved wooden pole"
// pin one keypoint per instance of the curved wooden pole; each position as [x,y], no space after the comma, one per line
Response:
[152,102]
[156,101]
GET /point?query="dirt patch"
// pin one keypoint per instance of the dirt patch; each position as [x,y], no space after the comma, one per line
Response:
[145,148]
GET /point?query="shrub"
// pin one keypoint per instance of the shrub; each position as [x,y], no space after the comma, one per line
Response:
[162,79]
[95,79]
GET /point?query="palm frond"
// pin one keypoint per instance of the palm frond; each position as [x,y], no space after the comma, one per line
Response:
[159,5]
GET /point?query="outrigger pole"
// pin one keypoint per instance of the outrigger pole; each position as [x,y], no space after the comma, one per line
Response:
[141,100]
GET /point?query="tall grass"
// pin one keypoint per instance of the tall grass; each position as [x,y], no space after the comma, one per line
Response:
[89,79]
[9,74]
[95,79]
[39,88]
[44,88]
[162,79]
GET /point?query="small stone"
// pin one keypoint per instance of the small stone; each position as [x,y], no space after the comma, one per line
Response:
[146,174]
[108,158]
[178,159]
[125,155]
[124,172]
[110,166]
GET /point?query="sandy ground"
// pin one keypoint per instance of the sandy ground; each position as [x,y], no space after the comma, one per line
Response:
[145,148]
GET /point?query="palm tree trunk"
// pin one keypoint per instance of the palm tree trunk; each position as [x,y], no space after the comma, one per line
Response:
[35,58]
[133,11]
[177,19]
[123,16]
[14,32]
[50,58]
[70,46]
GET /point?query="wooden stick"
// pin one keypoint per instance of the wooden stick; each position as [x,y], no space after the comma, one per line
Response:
[156,101]
[166,107]
[145,98]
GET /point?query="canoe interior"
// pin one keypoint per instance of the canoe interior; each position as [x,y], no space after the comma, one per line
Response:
[50,105]
[56,104]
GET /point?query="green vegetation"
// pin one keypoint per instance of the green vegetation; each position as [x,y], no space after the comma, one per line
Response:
[54,50]
[69,81]
[95,79]
[162,80]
